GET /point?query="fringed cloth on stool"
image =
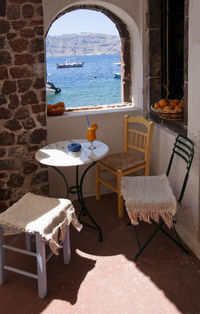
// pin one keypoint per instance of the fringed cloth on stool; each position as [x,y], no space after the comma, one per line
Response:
[46,215]
[149,197]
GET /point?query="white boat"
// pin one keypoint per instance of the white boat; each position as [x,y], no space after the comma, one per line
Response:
[69,64]
[117,75]
[50,92]
[51,89]
[117,63]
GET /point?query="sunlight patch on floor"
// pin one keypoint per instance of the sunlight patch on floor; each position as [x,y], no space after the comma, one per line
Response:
[145,293]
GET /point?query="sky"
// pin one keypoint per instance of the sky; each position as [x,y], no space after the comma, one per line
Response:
[79,21]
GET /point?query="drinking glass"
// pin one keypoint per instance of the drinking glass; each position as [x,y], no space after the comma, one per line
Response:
[91,135]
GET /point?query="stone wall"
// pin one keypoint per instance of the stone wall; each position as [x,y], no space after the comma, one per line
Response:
[22,100]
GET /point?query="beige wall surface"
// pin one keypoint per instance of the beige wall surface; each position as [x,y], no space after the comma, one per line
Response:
[74,126]
[110,130]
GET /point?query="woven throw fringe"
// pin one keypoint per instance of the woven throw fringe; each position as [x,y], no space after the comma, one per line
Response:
[136,217]
[59,235]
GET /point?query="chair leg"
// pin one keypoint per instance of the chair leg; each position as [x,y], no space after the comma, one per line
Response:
[145,244]
[119,198]
[97,182]
[41,266]
[178,243]
[2,258]
[66,247]
[146,170]
[120,206]
[159,227]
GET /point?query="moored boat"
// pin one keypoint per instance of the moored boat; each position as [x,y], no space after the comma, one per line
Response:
[117,75]
[51,89]
[69,64]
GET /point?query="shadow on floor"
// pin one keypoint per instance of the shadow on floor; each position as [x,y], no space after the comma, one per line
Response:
[102,277]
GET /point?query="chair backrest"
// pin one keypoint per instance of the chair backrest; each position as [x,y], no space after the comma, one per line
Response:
[184,148]
[138,135]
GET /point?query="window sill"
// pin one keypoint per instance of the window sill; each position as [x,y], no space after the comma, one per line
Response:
[83,111]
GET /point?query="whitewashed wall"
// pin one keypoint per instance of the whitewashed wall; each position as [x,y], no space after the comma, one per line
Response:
[74,126]
[110,124]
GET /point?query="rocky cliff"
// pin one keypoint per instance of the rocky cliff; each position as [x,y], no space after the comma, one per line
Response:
[83,44]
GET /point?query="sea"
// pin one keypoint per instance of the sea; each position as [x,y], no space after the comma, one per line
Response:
[93,84]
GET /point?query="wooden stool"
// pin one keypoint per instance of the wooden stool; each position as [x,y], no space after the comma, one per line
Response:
[48,219]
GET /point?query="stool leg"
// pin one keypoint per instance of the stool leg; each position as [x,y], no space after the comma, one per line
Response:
[41,266]
[2,258]
[66,247]
[28,242]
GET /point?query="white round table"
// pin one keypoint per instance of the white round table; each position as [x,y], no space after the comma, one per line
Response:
[57,155]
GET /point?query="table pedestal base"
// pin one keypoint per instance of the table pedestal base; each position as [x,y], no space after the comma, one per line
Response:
[77,189]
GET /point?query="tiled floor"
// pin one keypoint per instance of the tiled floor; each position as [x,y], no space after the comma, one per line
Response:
[102,277]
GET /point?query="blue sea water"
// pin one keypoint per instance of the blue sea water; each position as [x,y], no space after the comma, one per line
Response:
[93,84]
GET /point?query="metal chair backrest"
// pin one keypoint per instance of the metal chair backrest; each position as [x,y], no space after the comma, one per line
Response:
[138,135]
[184,148]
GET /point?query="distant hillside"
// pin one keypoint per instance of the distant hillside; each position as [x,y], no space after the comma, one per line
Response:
[84,44]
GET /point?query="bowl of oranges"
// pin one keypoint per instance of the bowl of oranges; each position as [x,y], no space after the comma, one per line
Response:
[56,109]
[169,109]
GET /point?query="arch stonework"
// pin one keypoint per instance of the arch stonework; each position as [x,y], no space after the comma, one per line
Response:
[125,44]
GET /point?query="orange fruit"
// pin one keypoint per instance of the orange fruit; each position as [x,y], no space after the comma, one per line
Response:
[168,108]
[60,104]
[174,102]
[156,105]
[178,107]
[163,102]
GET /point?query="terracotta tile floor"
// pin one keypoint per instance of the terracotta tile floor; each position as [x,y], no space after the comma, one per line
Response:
[103,279]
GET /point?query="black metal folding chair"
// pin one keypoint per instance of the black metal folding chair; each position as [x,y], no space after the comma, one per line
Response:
[151,199]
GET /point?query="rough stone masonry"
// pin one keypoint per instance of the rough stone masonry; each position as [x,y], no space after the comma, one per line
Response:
[22,100]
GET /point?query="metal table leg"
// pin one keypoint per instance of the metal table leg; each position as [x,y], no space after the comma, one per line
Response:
[84,211]
[78,190]
[65,180]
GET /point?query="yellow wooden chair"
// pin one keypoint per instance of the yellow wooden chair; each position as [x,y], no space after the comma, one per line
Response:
[135,157]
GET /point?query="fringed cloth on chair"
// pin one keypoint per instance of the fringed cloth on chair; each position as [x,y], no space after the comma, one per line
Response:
[149,197]
[46,215]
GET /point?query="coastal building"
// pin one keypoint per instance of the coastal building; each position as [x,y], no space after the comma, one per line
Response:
[25,126]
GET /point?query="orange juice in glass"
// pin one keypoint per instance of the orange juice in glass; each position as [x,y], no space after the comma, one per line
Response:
[91,135]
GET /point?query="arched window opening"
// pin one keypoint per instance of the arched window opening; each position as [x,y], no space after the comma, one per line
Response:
[116,91]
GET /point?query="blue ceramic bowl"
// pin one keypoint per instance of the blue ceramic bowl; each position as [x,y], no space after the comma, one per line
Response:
[74,147]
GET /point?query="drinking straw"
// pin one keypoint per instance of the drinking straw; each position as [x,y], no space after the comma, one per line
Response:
[88,122]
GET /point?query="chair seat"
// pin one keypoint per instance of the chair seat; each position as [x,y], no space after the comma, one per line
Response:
[157,201]
[121,161]
[45,215]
